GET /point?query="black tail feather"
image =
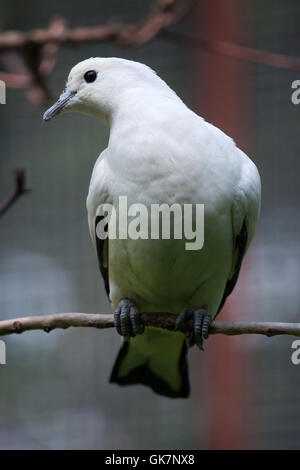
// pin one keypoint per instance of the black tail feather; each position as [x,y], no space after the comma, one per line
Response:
[143,375]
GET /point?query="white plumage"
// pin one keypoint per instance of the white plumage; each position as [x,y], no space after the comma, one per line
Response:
[159,151]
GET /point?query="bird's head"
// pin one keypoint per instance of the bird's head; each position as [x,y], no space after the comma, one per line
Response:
[95,86]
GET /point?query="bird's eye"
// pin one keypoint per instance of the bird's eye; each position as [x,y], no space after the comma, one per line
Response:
[90,76]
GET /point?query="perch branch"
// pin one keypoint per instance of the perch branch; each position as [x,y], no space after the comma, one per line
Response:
[48,323]
[20,188]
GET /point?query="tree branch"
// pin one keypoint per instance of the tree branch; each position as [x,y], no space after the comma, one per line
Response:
[37,49]
[30,57]
[235,51]
[48,323]
[20,179]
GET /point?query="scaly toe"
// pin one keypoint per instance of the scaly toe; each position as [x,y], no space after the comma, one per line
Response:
[137,326]
[201,326]
[200,329]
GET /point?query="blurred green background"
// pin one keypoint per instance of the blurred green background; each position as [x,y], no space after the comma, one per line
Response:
[54,390]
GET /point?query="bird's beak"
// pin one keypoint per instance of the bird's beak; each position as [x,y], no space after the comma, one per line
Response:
[63,100]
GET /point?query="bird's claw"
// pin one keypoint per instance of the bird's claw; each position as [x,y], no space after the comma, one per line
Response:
[200,329]
[127,319]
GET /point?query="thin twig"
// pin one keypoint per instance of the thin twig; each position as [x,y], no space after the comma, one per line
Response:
[20,188]
[164,13]
[37,49]
[48,323]
[235,51]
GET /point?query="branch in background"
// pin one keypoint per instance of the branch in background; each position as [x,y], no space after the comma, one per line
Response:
[20,188]
[38,48]
[48,323]
[164,13]
[235,51]
[28,67]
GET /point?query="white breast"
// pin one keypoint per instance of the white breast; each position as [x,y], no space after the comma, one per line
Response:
[155,159]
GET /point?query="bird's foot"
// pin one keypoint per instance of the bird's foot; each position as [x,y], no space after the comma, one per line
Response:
[200,328]
[127,319]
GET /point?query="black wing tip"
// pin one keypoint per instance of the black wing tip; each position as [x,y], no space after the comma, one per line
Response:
[241,242]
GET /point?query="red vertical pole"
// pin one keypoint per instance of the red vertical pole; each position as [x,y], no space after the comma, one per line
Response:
[221,98]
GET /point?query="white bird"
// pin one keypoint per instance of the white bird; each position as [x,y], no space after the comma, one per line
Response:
[159,151]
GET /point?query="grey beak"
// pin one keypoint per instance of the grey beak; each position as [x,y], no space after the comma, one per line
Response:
[63,100]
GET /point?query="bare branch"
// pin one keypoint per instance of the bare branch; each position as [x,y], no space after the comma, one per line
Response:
[13,80]
[38,48]
[164,13]
[48,52]
[30,57]
[48,323]
[20,188]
